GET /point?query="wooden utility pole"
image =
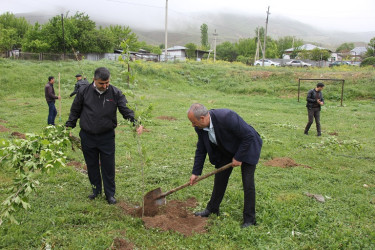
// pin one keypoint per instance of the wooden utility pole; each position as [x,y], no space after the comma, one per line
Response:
[63,35]
[257,51]
[215,35]
[166,32]
[265,37]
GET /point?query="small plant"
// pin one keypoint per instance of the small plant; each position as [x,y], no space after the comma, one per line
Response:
[331,143]
[26,157]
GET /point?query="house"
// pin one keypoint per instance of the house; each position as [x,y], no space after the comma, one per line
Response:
[179,53]
[357,53]
[141,55]
[306,47]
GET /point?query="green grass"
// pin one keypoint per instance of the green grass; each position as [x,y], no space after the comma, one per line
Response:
[63,217]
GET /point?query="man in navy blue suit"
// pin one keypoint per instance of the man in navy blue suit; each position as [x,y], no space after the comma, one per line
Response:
[226,138]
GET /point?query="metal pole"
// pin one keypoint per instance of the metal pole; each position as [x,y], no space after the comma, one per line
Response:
[299,87]
[342,91]
[166,31]
[265,37]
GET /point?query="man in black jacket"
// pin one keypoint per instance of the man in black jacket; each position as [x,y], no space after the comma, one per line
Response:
[226,138]
[96,106]
[80,83]
[314,102]
[49,93]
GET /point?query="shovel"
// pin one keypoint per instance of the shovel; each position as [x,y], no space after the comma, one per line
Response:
[156,197]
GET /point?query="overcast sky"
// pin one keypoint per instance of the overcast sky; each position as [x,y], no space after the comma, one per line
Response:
[350,16]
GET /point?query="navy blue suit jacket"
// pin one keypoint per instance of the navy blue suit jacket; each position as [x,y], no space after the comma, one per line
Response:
[233,134]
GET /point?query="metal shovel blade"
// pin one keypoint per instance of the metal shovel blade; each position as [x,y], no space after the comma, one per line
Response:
[154,197]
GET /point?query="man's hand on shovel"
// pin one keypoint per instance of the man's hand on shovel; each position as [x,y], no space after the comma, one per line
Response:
[140,129]
[193,178]
[236,163]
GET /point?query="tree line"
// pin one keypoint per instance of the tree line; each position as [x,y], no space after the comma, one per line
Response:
[76,33]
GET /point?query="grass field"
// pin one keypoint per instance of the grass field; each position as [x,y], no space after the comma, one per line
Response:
[341,161]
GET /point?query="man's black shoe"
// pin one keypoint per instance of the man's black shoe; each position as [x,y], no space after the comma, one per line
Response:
[205,213]
[111,200]
[93,196]
[319,134]
[306,133]
[248,224]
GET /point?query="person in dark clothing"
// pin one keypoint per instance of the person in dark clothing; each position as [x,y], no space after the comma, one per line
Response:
[314,102]
[226,138]
[49,93]
[96,106]
[80,83]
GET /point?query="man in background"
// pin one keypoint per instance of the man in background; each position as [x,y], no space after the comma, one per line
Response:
[49,93]
[314,102]
[80,83]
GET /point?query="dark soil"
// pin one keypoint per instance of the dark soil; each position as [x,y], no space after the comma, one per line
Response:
[169,118]
[3,129]
[78,166]
[334,133]
[19,135]
[121,244]
[175,216]
[284,162]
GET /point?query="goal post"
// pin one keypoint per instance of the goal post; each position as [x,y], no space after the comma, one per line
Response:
[320,79]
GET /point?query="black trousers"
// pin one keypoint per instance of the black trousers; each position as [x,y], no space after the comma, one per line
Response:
[313,113]
[220,185]
[100,148]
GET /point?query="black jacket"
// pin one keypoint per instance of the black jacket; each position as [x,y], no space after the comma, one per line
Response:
[79,84]
[97,112]
[311,98]
[233,134]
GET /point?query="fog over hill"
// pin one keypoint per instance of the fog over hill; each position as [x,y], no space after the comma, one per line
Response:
[229,27]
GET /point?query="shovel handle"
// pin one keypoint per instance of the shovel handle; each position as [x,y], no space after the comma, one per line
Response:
[218,170]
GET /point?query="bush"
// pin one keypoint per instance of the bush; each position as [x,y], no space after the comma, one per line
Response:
[368,61]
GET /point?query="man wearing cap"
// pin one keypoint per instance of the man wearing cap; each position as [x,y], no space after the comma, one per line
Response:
[80,83]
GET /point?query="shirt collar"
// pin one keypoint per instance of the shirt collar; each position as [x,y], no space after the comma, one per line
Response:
[209,127]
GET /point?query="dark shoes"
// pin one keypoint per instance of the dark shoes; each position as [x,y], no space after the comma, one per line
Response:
[248,224]
[319,134]
[111,200]
[205,213]
[306,133]
[93,196]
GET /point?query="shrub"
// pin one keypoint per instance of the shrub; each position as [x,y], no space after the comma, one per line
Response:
[368,61]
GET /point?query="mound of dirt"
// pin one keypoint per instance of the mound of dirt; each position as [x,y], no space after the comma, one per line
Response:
[19,135]
[283,162]
[169,118]
[121,244]
[173,216]
[3,129]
